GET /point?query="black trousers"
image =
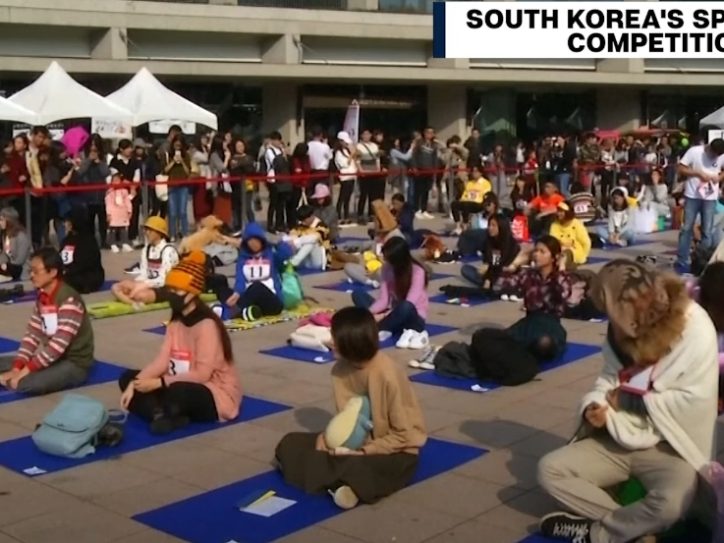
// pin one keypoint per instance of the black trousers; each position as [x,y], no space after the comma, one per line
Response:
[465,209]
[192,400]
[271,212]
[422,187]
[135,217]
[377,188]
[365,200]
[371,477]
[608,178]
[98,210]
[256,294]
[346,188]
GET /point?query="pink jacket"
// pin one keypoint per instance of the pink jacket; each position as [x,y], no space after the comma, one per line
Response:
[118,207]
[200,346]
[417,295]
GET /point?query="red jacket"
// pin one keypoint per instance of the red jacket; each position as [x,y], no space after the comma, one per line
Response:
[301,167]
[18,168]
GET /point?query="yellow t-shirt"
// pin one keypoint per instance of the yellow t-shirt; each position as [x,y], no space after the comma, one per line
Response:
[475,191]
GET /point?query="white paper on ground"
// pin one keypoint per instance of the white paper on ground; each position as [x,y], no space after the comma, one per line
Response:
[35,470]
[269,507]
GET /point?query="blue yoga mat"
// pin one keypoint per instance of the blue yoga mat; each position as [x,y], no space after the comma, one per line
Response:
[472,302]
[574,351]
[316,357]
[214,516]
[346,286]
[159,330]
[21,453]
[33,295]
[8,345]
[101,372]
[351,239]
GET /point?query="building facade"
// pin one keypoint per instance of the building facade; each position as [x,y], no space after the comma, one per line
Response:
[291,64]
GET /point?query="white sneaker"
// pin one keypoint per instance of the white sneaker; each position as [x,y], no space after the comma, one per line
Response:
[515,298]
[419,215]
[419,340]
[127,248]
[405,338]
[427,215]
[505,297]
[115,249]
[384,335]
[345,498]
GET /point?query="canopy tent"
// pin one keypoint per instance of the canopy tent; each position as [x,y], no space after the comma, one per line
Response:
[148,100]
[13,112]
[56,96]
[713,119]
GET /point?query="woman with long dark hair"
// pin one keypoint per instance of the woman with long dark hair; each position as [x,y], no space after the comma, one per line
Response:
[219,192]
[177,166]
[499,253]
[192,379]
[345,160]
[401,306]
[15,247]
[301,170]
[545,290]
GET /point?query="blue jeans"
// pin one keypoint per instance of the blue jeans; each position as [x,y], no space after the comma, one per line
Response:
[178,200]
[628,236]
[692,208]
[563,180]
[472,274]
[402,317]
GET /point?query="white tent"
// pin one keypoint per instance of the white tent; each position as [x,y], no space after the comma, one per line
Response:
[713,119]
[13,112]
[56,96]
[148,100]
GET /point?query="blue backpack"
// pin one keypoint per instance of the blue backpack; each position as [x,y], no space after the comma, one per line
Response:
[72,428]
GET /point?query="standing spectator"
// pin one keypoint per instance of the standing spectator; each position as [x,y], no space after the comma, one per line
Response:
[384,150]
[129,167]
[320,155]
[177,166]
[17,172]
[530,170]
[152,168]
[284,190]
[59,173]
[563,162]
[166,147]
[425,160]
[454,158]
[702,166]
[15,249]
[273,148]
[302,170]
[521,156]
[202,195]
[608,174]
[219,191]
[368,160]
[345,159]
[589,159]
[119,208]
[496,164]
[241,167]
[93,170]
[475,149]
[399,165]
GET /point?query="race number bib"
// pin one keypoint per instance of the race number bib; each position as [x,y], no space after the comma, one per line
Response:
[581,208]
[259,270]
[154,269]
[67,254]
[180,362]
[49,318]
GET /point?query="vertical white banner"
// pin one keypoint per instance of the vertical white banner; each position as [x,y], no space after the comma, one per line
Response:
[351,121]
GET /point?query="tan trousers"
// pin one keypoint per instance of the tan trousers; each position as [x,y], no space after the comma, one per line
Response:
[576,475]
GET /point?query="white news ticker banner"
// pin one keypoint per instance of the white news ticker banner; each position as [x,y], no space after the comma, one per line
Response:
[564,30]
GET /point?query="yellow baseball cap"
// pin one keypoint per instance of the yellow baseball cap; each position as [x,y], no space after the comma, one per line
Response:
[157,224]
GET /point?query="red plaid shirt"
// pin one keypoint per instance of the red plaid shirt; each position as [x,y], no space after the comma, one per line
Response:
[548,295]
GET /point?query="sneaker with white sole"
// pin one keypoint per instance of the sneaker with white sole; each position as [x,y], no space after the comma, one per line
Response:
[515,298]
[419,340]
[419,215]
[126,248]
[134,269]
[345,498]
[405,338]
[384,335]
[566,527]
[505,297]
[426,215]
[115,249]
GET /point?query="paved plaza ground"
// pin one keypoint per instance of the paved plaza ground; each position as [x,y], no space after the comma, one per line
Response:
[494,498]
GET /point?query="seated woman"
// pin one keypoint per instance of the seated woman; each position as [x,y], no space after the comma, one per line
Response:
[321,201]
[660,432]
[472,241]
[257,291]
[656,194]
[158,257]
[388,460]
[82,266]
[543,208]
[545,290]
[192,379]
[620,229]
[401,306]
[572,235]
[311,240]
[471,200]
[499,255]
[15,248]
[711,298]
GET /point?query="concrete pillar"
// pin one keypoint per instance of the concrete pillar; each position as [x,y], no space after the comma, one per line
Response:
[446,108]
[279,111]
[363,5]
[282,50]
[618,109]
[621,65]
[110,44]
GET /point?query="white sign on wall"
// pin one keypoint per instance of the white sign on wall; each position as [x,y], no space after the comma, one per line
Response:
[162,127]
[112,130]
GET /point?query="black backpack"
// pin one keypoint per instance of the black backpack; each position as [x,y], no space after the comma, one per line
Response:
[498,357]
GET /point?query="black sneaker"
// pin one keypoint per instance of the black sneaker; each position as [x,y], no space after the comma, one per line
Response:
[165,425]
[133,269]
[566,527]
